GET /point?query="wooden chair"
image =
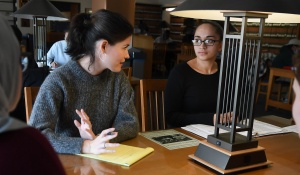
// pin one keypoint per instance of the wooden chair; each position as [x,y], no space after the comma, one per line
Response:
[259,89]
[128,72]
[159,57]
[275,72]
[276,86]
[30,94]
[152,104]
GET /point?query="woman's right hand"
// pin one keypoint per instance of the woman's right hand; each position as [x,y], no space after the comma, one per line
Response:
[100,143]
[54,65]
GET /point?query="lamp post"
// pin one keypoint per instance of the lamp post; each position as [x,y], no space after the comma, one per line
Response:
[40,11]
[229,152]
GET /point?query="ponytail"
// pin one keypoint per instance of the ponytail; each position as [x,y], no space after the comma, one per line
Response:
[79,27]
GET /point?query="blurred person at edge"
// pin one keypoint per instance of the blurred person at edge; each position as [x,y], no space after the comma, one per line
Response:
[21,146]
[57,55]
[296,88]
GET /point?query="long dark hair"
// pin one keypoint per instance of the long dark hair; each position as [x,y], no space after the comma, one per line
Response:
[86,30]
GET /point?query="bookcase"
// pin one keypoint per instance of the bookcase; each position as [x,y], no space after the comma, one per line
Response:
[176,28]
[151,15]
[275,34]
[180,26]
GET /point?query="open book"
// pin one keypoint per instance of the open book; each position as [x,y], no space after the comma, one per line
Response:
[259,129]
[125,155]
[170,139]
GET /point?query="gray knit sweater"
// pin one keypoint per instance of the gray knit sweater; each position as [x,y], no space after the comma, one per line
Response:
[108,99]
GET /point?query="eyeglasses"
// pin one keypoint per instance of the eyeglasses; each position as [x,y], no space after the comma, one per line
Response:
[207,42]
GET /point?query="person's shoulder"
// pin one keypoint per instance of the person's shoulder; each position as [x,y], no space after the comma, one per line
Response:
[32,135]
[62,43]
[59,43]
[117,76]
[63,71]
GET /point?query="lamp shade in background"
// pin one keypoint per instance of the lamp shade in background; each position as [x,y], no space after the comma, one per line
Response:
[280,11]
[40,11]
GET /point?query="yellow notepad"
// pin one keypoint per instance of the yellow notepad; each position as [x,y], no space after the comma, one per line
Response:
[125,155]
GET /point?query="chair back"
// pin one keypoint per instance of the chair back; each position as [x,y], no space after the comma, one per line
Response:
[128,72]
[288,76]
[152,104]
[30,94]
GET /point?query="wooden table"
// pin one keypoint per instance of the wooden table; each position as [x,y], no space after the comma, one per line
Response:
[283,150]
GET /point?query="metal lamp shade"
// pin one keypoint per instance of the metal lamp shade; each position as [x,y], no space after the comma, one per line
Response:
[39,8]
[40,11]
[280,11]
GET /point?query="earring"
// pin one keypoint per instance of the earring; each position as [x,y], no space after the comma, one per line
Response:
[104,54]
[101,58]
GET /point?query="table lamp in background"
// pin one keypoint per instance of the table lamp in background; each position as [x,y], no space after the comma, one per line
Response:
[230,152]
[40,11]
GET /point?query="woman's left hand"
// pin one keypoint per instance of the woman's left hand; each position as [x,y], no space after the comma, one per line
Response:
[85,127]
[224,118]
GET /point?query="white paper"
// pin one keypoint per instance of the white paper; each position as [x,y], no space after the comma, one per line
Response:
[259,129]
[292,128]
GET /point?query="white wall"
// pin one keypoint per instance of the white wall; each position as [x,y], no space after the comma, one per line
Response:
[83,5]
[166,16]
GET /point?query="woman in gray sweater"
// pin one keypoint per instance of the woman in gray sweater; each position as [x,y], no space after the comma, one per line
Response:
[90,94]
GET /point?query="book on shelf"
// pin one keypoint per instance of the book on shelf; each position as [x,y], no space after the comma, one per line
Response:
[125,155]
[259,129]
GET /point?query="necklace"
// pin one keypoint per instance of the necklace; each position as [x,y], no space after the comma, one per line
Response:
[204,69]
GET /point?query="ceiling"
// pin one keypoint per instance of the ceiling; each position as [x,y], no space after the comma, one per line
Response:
[163,3]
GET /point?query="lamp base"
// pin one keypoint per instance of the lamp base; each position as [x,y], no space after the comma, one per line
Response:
[241,142]
[225,161]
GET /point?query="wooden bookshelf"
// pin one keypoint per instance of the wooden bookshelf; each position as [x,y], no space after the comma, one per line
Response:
[151,15]
[275,34]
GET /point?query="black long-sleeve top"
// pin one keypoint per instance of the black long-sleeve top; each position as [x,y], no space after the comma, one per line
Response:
[190,97]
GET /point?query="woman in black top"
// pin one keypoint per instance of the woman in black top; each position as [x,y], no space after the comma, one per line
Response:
[191,92]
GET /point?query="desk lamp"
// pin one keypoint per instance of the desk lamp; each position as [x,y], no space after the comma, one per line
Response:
[230,151]
[39,11]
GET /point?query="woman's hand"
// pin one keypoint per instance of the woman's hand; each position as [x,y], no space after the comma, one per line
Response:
[225,118]
[100,143]
[54,65]
[85,127]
